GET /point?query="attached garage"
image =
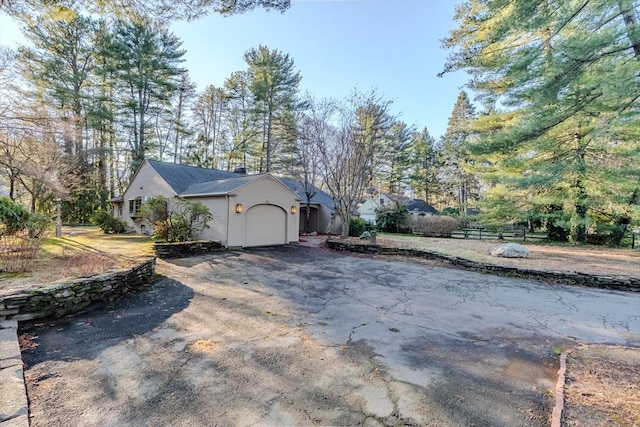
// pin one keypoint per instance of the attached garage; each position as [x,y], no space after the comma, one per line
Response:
[265,225]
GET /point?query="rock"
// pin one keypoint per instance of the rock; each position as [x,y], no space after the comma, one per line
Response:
[509,250]
[365,235]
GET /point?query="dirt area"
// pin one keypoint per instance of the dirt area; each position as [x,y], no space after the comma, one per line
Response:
[602,387]
[587,259]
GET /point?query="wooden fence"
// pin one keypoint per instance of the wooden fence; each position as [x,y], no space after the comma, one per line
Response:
[513,235]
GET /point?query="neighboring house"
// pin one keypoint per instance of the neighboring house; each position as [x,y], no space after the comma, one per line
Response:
[416,207]
[248,210]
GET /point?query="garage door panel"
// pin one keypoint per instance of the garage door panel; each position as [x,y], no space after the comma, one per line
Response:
[265,225]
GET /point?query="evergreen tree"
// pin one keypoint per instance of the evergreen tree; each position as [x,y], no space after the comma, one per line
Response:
[242,142]
[274,84]
[395,168]
[161,10]
[458,183]
[144,60]
[564,75]
[424,165]
[58,66]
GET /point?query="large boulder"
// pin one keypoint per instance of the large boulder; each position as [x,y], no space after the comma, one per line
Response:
[509,250]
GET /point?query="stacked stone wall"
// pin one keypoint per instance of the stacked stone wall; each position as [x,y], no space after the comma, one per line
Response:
[186,249]
[70,297]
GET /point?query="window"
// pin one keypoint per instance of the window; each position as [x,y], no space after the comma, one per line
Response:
[134,206]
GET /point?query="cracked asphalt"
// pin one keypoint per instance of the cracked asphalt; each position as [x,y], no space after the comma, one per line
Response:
[302,336]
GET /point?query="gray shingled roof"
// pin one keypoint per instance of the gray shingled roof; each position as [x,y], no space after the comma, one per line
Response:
[421,206]
[180,177]
[320,197]
[413,205]
[192,180]
[222,186]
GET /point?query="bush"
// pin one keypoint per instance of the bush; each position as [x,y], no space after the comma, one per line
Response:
[107,223]
[449,211]
[394,219]
[357,226]
[176,219]
[13,217]
[435,226]
[21,236]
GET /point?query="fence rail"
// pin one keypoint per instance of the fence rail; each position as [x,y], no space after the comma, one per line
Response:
[515,235]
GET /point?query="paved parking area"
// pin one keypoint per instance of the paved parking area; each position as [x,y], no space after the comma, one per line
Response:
[303,336]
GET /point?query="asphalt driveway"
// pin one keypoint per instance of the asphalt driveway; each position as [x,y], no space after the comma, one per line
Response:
[302,336]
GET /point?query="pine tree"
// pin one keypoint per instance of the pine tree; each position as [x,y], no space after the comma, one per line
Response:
[459,184]
[161,10]
[274,84]
[58,67]
[424,165]
[242,142]
[564,76]
[395,161]
[145,60]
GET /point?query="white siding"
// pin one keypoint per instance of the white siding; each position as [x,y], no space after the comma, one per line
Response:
[146,183]
[217,230]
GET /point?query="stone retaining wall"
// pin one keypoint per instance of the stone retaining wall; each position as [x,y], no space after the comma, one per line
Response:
[618,283]
[70,297]
[362,248]
[186,249]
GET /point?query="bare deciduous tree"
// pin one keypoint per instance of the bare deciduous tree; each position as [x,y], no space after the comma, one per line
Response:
[349,156]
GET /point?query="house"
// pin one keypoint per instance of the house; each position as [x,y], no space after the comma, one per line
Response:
[248,210]
[416,207]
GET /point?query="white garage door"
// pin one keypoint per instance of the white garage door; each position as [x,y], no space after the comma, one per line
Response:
[265,225]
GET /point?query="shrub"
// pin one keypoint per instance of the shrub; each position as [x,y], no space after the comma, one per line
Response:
[357,226]
[435,226]
[394,219]
[107,222]
[13,217]
[449,211]
[176,219]
[21,236]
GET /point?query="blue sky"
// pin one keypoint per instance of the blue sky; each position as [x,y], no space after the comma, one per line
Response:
[392,45]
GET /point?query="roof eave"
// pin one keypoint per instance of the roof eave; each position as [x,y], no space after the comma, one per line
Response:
[206,195]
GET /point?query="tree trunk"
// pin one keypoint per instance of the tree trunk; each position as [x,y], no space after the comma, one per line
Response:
[631,23]
[580,203]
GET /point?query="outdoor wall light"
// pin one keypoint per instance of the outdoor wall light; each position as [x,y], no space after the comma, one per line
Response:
[294,209]
[239,208]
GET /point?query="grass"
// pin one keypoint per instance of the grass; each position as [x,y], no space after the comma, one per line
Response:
[80,251]
[590,259]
